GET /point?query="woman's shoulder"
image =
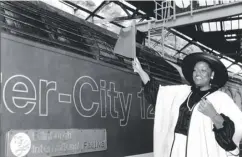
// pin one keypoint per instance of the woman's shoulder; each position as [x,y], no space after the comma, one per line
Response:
[221,97]
[225,104]
[220,94]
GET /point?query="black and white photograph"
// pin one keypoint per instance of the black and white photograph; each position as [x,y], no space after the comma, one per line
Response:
[122,78]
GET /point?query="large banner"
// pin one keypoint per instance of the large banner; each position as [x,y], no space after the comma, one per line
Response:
[48,91]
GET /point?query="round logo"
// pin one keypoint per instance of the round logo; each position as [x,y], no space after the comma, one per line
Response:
[20,144]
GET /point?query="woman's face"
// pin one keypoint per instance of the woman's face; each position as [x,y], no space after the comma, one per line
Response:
[202,75]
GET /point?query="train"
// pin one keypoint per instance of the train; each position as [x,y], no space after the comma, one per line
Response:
[65,93]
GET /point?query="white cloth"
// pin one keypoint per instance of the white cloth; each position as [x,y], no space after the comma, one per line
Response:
[201,139]
[179,145]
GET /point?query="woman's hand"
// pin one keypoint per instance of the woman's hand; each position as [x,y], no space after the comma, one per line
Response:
[137,66]
[206,107]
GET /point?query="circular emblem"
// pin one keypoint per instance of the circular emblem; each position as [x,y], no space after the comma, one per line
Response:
[20,144]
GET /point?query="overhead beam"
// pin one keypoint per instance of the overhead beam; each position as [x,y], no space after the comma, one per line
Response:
[87,11]
[175,32]
[233,31]
[226,19]
[127,7]
[200,15]
[97,9]
[168,46]
[122,18]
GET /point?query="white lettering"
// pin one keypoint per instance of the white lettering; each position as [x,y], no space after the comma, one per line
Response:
[22,99]
[90,99]
[125,106]
[77,96]
[44,88]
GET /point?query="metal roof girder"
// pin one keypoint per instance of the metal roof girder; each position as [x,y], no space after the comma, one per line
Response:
[200,15]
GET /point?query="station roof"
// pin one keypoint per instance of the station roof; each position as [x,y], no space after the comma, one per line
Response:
[221,37]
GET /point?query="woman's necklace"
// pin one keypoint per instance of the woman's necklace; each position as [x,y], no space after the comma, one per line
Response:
[190,109]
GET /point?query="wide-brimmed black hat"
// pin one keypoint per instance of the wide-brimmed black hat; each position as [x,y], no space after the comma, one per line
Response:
[220,71]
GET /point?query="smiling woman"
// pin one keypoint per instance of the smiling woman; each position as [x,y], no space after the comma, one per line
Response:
[184,114]
[202,75]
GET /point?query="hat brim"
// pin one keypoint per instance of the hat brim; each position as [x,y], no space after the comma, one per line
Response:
[220,71]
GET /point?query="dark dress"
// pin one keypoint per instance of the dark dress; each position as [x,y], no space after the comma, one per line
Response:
[223,135]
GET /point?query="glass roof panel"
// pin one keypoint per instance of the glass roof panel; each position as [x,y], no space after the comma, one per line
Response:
[209,2]
[81,14]
[213,2]
[231,39]
[217,1]
[234,69]
[225,1]
[230,35]
[213,26]
[235,24]
[191,49]
[167,50]
[202,2]
[112,10]
[218,26]
[88,4]
[227,25]
[176,42]
[240,23]
[205,27]
[182,3]
[225,62]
